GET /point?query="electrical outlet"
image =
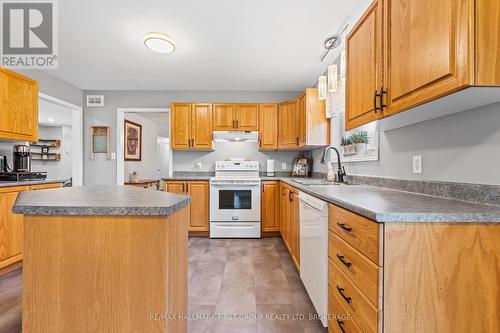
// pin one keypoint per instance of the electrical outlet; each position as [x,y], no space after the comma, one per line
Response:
[283,166]
[417,164]
[198,166]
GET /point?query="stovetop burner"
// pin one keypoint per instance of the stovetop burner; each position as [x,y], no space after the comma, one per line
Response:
[20,176]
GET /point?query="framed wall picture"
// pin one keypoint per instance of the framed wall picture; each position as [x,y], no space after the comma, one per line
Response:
[133,141]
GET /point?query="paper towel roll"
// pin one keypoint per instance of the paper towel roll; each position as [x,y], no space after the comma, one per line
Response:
[270,168]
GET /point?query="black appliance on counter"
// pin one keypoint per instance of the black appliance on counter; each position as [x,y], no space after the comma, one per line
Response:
[22,158]
[3,164]
[21,176]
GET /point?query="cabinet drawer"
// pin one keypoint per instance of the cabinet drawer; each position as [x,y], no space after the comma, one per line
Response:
[358,268]
[362,233]
[352,299]
[341,320]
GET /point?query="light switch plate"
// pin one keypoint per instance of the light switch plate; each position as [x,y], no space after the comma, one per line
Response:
[198,165]
[283,165]
[417,164]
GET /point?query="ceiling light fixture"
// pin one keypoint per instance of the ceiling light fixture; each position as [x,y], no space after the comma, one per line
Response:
[322,88]
[332,78]
[158,42]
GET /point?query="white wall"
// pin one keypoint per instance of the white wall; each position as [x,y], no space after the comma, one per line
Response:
[186,160]
[103,171]
[62,169]
[464,147]
[149,166]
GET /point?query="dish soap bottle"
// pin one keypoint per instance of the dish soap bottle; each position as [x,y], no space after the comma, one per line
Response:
[330,175]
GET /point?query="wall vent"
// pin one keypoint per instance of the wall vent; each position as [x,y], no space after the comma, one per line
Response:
[95,100]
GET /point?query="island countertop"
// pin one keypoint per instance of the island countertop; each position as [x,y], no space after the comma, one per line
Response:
[99,200]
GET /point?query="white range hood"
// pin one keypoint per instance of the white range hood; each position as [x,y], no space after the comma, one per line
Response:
[236,136]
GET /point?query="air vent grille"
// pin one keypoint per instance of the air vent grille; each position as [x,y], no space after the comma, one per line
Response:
[95,100]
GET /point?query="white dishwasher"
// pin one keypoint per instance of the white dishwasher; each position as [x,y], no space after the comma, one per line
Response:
[314,251]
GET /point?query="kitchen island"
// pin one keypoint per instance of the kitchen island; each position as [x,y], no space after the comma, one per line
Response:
[104,259]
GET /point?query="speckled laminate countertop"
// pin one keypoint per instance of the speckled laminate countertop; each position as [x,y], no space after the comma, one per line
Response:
[30,182]
[99,200]
[393,206]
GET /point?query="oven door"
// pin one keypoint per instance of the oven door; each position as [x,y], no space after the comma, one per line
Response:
[233,201]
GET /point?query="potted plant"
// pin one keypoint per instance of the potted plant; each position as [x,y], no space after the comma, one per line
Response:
[360,141]
[348,148]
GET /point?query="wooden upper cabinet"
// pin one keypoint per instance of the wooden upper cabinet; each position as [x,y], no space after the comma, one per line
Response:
[201,126]
[247,117]
[180,133]
[427,51]
[235,117]
[303,123]
[18,107]
[488,43]
[364,68]
[270,206]
[191,126]
[268,127]
[224,117]
[288,125]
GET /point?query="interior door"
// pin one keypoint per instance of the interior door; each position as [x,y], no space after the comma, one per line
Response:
[180,132]
[427,47]
[224,117]
[247,117]
[268,127]
[201,126]
[364,68]
[288,125]
[198,190]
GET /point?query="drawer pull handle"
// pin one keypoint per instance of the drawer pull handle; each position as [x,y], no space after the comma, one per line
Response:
[341,325]
[345,262]
[344,296]
[345,227]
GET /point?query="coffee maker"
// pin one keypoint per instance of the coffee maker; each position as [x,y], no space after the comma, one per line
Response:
[3,164]
[22,158]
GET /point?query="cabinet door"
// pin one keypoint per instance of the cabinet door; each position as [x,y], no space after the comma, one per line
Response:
[364,68]
[198,190]
[247,117]
[427,50]
[268,127]
[301,105]
[224,117]
[294,227]
[270,206]
[180,132]
[11,228]
[285,216]
[201,126]
[288,125]
[175,186]
[18,107]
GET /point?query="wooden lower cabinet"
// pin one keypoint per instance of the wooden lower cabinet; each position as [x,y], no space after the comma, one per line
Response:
[199,207]
[11,226]
[427,277]
[289,221]
[270,207]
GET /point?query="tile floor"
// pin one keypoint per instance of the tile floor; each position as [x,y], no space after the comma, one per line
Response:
[235,285]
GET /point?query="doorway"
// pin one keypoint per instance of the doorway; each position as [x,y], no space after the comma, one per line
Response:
[155,160]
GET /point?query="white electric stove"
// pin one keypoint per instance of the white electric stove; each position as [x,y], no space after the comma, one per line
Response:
[235,200]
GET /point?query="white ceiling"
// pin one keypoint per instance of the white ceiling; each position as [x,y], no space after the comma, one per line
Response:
[60,115]
[221,44]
